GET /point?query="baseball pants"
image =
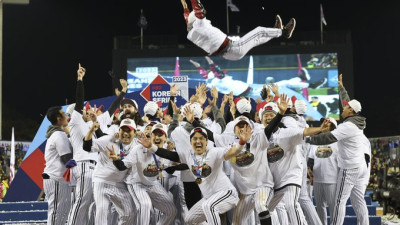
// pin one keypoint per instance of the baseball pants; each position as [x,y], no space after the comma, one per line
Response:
[247,204]
[157,197]
[82,176]
[350,184]
[256,37]
[118,195]
[281,213]
[289,195]
[324,196]
[58,196]
[210,209]
[305,201]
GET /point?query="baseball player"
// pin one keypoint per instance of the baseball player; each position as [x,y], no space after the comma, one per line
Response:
[286,167]
[149,171]
[58,156]
[351,160]
[215,42]
[299,108]
[255,192]
[205,163]
[79,126]
[108,181]
[324,166]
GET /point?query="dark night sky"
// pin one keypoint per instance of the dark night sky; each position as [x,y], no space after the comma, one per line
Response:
[44,41]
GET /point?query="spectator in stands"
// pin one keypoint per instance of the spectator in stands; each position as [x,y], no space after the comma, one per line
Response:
[3,187]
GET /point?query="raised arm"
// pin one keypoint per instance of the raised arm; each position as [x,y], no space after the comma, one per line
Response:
[282,105]
[216,113]
[121,94]
[342,91]
[244,137]
[80,92]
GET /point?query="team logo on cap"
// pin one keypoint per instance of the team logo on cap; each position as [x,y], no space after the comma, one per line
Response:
[205,170]
[323,152]
[275,153]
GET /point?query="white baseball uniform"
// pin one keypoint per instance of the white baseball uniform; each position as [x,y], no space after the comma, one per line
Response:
[325,172]
[210,39]
[55,187]
[284,157]
[148,172]
[81,174]
[108,185]
[219,195]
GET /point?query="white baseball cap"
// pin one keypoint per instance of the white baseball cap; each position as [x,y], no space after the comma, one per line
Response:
[332,120]
[128,123]
[159,126]
[354,104]
[243,106]
[198,130]
[150,108]
[301,106]
[243,119]
[197,110]
[269,107]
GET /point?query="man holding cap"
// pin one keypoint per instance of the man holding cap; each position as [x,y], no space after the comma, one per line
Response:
[351,160]
[108,182]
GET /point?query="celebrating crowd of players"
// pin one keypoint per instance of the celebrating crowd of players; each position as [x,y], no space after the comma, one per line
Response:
[197,164]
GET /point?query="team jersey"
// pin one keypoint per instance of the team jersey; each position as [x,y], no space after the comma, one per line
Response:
[325,168]
[367,150]
[206,36]
[147,164]
[57,145]
[181,139]
[105,171]
[78,130]
[284,156]
[209,167]
[351,152]
[250,167]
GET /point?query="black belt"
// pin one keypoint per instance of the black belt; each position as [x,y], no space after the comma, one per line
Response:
[45,176]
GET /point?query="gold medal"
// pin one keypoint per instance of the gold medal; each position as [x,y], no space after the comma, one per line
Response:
[160,174]
[198,181]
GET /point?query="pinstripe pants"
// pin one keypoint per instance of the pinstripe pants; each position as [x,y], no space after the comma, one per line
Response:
[210,209]
[351,184]
[82,176]
[247,203]
[118,195]
[306,204]
[256,37]
[154,195]
[281,213]
[324,196]
[58,197]
[289,195]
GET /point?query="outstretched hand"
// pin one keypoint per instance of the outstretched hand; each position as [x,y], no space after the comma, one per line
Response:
[124,85]
[175,108]
[81,72]
[145,141]
[245,134]
[173,90]
[283,103]
[189,114]
[340,81]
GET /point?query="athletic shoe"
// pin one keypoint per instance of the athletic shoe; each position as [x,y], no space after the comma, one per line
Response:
[278,22]
[289,28]
[318,84]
